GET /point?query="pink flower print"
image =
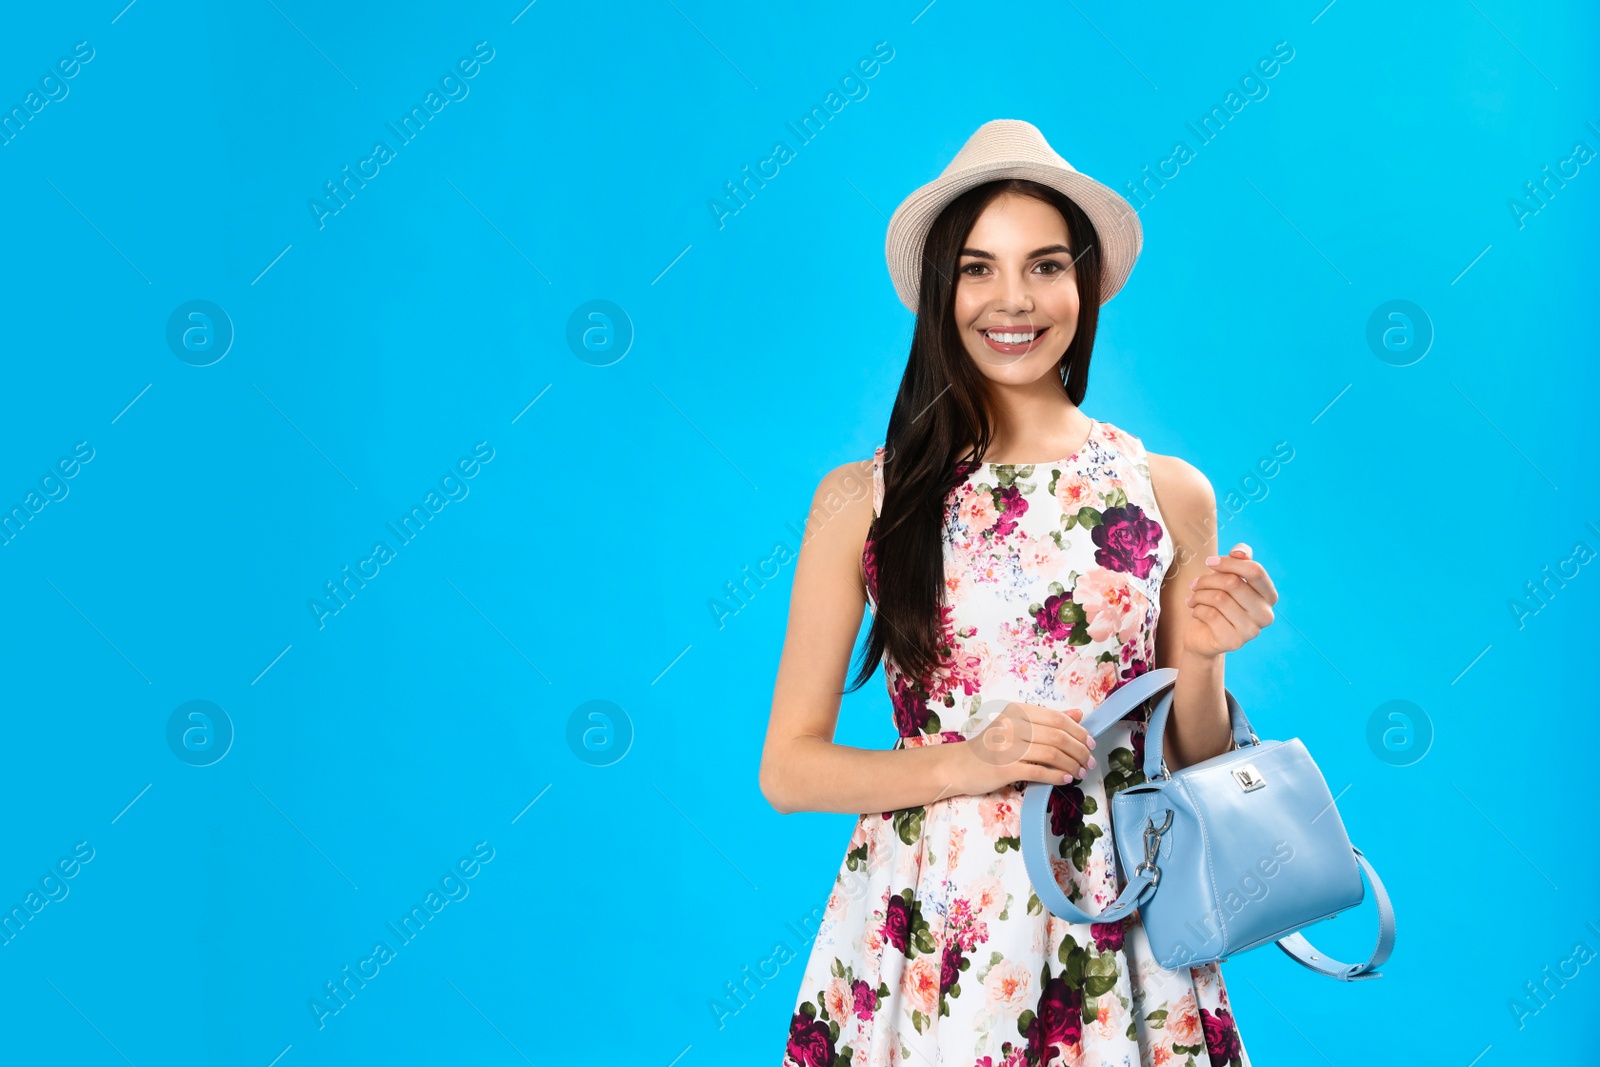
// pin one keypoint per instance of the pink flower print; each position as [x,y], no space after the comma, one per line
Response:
[840,998]
[1074,491]
[1008,989]
[977,510]
[1112,604]
[1104,681]
[1001,816]
[1183,1021]
[920,984]
[1126,540]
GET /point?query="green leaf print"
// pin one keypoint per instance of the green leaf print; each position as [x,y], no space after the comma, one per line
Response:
[1009,474]
[1003,843]
[919,1020]
[1035,906]
[1084,846]
[857,858]
[1088,517]
[833,1032]
[1117,498]
[1157,1019]
[1100,975]
[908,824]
[1069,945]
[837,968]
[1121,771]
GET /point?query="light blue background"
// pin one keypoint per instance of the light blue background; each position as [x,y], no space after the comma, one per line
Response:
[430,313]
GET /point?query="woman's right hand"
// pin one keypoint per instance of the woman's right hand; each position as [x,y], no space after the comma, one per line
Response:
[1029,743]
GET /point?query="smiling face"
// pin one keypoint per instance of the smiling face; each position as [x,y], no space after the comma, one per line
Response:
[1016,297]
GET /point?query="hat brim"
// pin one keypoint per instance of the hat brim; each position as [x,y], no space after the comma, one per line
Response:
[1115,221]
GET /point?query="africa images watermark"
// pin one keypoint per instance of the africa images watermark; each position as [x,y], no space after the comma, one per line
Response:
[337,596]
[337,196]
[1253,86]
[853,86]
[855,485]
[452,887]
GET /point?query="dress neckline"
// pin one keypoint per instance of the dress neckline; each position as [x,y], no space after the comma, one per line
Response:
[1094,428]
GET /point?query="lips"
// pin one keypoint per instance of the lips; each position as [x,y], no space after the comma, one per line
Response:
[1014,340]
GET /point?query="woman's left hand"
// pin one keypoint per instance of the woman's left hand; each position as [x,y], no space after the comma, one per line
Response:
[1229,604]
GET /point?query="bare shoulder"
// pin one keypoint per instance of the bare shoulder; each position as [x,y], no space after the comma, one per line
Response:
[1183,493]
[842,509]
[847,489]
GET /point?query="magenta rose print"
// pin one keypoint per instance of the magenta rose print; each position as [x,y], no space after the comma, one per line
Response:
[1222,1038]
[1107,936]
[1126,540]
[810,1043]
[1060,618]
[1011,505]
[911,712]
[1058,1021]
[897,924]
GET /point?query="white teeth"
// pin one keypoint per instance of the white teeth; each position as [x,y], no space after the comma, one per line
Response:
[1012,338]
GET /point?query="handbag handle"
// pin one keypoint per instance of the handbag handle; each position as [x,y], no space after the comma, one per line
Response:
[1155,763]
[1035,815]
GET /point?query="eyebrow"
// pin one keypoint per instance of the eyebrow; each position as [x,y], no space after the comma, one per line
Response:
[979,253]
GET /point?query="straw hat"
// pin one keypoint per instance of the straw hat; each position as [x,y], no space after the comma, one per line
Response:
[1011,148]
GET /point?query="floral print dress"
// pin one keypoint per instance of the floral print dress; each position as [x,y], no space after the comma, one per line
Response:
[934,950]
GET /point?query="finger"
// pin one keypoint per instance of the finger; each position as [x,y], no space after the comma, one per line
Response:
[1232,613]
[1227,639]
[1063,764]
[1058,748]
[1244,593]
[1066,722]
[1043,742]
[1249,570]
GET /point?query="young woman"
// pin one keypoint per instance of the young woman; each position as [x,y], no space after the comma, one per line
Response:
[1016,554]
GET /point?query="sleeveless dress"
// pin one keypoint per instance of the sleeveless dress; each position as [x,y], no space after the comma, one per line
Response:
[933,950]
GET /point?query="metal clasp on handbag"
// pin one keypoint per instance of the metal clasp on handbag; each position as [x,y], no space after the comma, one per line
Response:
[1152,847]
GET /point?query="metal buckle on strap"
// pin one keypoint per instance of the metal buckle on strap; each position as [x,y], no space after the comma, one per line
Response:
[1152,847]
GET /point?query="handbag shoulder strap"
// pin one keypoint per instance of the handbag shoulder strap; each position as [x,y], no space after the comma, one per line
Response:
[1305,952]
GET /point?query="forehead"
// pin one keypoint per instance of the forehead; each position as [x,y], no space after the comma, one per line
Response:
[1010,222]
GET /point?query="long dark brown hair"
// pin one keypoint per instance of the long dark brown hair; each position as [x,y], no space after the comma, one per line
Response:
[938,411]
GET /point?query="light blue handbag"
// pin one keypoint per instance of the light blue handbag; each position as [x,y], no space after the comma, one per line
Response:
[1246,847]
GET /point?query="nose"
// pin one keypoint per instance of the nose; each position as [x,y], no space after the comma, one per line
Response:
[1014,298]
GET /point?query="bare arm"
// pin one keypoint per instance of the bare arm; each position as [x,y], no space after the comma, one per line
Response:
[801,768]
[1197,726]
